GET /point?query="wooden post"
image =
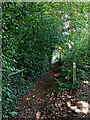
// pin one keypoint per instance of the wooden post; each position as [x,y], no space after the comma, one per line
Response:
[74,72]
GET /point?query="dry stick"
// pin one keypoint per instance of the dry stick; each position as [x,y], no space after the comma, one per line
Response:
[15,72]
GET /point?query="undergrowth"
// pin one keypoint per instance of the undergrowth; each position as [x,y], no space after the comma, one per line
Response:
[13,88]
[60,87]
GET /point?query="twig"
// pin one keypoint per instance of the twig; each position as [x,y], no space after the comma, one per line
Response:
[15,72]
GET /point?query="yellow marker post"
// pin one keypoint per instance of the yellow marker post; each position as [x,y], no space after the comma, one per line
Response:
[74,72]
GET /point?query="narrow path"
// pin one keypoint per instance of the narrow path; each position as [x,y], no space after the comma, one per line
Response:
[38,104]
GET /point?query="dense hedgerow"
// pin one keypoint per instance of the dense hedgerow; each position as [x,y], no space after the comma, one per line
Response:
[30,33]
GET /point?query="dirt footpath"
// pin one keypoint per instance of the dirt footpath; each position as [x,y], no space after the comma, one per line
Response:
[39,104]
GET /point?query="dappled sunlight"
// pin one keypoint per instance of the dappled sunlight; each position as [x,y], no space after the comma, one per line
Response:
[27,99]
[86,82]
[38,115]
[57,74]
[42,103]
[80,107]
[66,95]
[55,56]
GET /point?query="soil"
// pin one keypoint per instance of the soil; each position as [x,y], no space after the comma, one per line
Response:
[40,104]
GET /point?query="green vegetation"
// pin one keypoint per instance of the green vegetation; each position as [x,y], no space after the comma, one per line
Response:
[30,34]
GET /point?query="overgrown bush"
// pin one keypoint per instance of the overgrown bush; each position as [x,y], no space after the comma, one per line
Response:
[29,35]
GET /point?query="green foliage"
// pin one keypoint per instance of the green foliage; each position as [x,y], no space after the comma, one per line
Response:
[14,87]
[8,101]
[30,33]
[60,87]
[75,45]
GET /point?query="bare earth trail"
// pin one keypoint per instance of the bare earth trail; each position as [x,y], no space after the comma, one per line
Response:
[39,104]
